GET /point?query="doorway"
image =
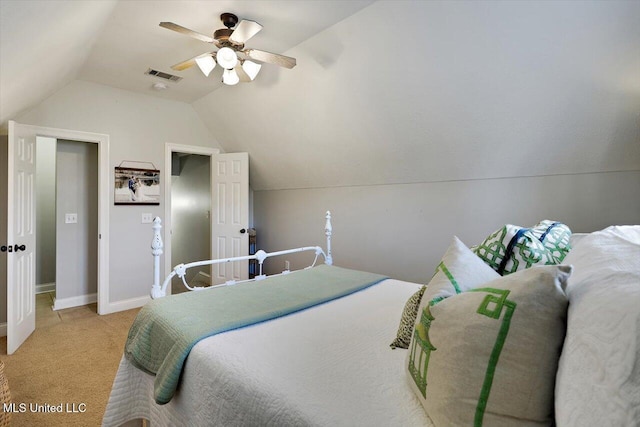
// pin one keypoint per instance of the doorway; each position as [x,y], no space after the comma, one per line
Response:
[21,215]
[229,218]
[46,215]
[66,222]
[194,173]
[190,216]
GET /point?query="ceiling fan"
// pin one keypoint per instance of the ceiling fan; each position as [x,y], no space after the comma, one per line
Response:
[239,64]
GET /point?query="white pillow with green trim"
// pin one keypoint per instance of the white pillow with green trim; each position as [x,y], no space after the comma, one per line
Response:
[458,260]
[488,356]
[458,271]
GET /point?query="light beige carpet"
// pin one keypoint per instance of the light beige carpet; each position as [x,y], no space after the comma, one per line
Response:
[70,360]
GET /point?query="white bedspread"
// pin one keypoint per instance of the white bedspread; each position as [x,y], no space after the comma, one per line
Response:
[329,365]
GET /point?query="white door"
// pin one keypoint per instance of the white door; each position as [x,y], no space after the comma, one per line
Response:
[21,235]
[230,219]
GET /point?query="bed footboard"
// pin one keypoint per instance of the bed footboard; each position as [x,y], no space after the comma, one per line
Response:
[158,291]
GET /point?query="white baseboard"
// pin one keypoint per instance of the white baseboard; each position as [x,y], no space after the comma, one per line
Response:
[45,287]
[3,329]
[62,303]
[127,304]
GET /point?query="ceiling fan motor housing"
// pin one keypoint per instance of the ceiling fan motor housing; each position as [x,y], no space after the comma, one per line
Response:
[229,20]
[222,35]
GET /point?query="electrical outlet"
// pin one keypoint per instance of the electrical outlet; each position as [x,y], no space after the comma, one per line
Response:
[71,218]
[147,218]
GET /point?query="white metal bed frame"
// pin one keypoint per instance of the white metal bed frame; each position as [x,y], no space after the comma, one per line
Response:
[158,291]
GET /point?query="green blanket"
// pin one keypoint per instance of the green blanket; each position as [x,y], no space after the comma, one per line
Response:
[166,329]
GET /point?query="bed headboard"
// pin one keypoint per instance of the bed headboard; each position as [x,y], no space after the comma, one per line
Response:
[158,291]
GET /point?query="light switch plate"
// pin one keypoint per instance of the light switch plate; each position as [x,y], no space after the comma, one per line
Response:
[71,218]
[147,218]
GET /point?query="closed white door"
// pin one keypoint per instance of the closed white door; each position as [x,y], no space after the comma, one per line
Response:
[230,215]
[21,235]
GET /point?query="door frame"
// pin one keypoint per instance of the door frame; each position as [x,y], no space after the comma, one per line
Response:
[166,221]
[103,200]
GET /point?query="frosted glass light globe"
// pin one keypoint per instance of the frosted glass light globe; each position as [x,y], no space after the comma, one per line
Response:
[230,77]
[227,58]
[251,68]
[206,64]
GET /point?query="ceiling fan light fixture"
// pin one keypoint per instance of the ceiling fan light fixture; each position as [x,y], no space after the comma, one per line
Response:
[227,58]
[239,64]
[230,77]
[206,64]
[251,68]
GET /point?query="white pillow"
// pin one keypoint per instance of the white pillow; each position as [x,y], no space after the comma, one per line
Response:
[458,271]
[489,355]
[598,380]
[459,262]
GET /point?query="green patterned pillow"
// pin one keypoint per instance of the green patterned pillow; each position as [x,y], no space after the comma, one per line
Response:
[513,248]
[489,356]
[555,236]
[407,321]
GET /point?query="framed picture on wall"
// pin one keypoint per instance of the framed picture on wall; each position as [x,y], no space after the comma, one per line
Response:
[135,186]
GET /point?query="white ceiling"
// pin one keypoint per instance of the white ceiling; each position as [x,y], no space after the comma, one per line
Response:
[115,42]
[43,45]
[132,41]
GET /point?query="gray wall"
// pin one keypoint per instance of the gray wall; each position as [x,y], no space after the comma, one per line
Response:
[417,120]
[403,230]
[427,91]
[500,112]
[3,227]
[46,210]
[190,210]
[138,127]
[76,244]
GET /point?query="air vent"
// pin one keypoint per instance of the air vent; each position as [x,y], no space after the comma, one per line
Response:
[162,75]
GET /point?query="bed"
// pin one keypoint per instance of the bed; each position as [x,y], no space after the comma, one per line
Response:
[331,364]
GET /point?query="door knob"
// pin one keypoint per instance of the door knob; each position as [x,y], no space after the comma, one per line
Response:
[14,248]
[242,231]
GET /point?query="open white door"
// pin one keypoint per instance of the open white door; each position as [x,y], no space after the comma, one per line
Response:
[21,235]
[230,219]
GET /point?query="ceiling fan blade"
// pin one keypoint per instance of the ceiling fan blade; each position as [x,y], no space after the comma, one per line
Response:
[181,66]
[271,58]
[244,31]
[182,30]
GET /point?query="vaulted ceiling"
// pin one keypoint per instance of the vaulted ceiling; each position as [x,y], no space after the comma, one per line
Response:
[45,44]
[385,92]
